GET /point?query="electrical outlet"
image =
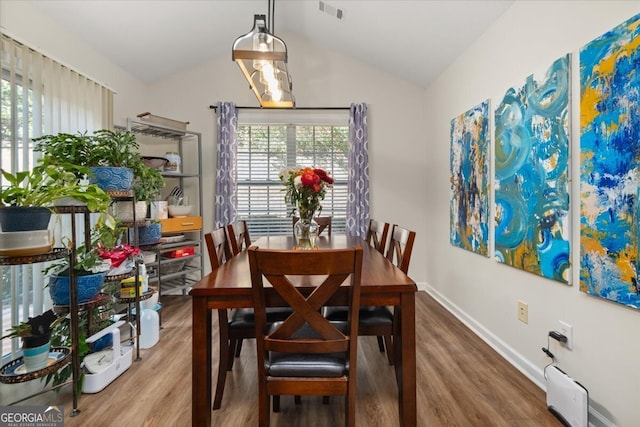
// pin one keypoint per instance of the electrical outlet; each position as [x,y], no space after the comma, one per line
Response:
[566,330]
[523,312]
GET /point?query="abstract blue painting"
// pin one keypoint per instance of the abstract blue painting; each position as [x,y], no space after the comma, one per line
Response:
[610,164]
[469,166]
[531,174]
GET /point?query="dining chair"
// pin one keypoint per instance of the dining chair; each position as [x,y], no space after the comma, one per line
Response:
[306,354]
[400,247]
[324,223]
[238,236]
[218,247]
[219,252]
[234,326]
[377,234]
[379,321]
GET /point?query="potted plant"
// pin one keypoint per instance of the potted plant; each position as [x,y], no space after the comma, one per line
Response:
[148,186]
[89,268]
[148,183]
[113,157]
[26,203]
[36,339]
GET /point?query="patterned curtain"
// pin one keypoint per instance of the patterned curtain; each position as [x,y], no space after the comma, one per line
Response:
[226,174]
[358,184]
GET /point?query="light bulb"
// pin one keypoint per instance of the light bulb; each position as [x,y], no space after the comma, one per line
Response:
[276,94]
[261,43]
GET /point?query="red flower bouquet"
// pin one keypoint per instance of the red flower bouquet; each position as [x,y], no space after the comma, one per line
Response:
[304,188]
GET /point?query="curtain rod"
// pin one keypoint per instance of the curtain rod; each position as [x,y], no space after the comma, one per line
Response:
[215,107]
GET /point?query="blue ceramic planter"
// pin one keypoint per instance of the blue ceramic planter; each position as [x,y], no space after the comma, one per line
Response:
[102,343]
[24,218]
[148,234]
[112,178]
[88,288]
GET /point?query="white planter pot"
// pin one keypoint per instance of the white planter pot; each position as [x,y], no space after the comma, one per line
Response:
[68,201]
[124,211]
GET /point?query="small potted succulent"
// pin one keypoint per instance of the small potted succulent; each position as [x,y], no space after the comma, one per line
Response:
[36,339]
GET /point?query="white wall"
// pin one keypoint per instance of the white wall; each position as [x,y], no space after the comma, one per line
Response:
[321,78]
[527,38]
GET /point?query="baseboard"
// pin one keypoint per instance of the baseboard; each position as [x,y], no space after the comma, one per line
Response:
[528,369]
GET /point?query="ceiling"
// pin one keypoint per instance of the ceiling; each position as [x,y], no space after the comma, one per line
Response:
[411,39]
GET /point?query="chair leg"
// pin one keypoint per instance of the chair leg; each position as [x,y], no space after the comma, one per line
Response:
[276,403]
[238,347]
[297,399]
[350,410]
[223,361]
[325,400]
[389,345]
[233,343]
[380,344]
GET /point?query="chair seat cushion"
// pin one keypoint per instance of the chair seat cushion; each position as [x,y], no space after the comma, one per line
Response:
[245,317]
[369,315]
[308,365]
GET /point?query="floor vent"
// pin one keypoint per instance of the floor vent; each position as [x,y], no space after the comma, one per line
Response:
[567,399]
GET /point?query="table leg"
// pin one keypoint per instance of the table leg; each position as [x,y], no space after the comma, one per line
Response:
[223,357]
[201,364]
[405,351]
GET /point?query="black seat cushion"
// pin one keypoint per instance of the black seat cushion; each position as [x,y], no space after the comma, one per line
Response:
[369,315]
[308,365]
[245,317]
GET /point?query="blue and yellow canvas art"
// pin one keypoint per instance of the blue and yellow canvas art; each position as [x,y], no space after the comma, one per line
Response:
[469,166]
[610,164]
[532,222]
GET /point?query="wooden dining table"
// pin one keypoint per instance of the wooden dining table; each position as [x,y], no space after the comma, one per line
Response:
[229,286]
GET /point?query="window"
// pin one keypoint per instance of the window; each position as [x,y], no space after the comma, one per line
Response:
[263,150]
[39,96]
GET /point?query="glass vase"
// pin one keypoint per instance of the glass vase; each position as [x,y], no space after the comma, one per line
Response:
[305,230]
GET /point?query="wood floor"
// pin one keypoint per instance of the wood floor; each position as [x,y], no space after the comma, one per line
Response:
[461,382]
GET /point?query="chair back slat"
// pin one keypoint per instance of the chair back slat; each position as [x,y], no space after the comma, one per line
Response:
[218,247]
[400,247]
[238,237]
[279,267]
[377,235]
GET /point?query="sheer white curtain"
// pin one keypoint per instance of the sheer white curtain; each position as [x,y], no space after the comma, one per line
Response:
[39,96]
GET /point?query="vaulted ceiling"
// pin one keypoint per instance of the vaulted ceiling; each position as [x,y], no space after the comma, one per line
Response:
[412,39]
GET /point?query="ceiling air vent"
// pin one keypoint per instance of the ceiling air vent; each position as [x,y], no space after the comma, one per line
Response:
[330,10]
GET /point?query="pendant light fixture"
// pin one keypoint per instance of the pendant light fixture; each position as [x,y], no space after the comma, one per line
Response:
[262,57]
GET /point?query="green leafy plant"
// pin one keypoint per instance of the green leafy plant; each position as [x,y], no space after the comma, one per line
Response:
[88,259]
[114,148]
[148,183]
[45,184]
[64,148]
[61,337]
[103,148]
